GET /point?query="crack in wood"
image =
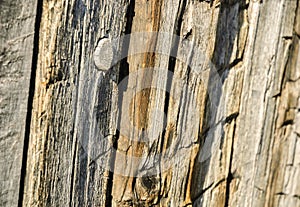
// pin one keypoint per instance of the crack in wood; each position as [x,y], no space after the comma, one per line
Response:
[38,18]
[230,176]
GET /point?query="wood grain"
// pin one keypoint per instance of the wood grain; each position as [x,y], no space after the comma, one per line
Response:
[17,26]
[216,123]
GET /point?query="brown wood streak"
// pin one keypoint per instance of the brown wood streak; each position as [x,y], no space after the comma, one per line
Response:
[148,62]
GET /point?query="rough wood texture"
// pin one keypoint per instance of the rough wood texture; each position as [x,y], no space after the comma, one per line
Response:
[214,124]
[17,20]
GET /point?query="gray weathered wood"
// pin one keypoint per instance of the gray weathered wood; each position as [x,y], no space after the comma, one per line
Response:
[17,19]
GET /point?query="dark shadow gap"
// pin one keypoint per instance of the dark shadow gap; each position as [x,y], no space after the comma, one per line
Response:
[172,61]
[39,10]
[123,73]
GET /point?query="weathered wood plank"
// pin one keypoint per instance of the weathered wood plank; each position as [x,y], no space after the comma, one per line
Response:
[72,104]
[17,20]
[216,124]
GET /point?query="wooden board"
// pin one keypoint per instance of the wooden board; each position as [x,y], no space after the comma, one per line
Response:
[201,106]
[17,29]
